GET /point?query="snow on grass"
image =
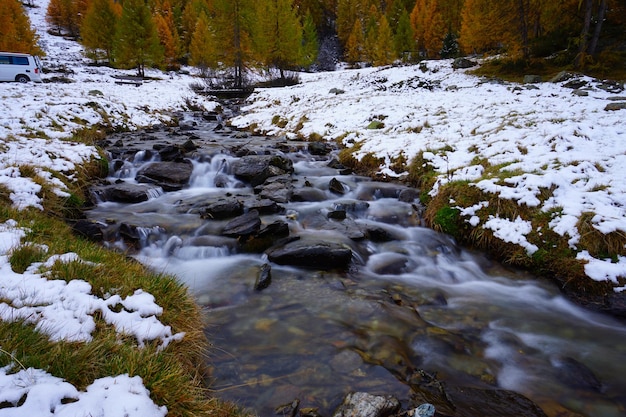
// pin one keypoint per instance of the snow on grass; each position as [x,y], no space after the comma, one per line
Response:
[47,396]
[541,136]
[35,122]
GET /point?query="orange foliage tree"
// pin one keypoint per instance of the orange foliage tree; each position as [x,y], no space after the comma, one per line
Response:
[16,34]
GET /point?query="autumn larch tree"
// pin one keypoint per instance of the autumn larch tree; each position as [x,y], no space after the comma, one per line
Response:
[278,35]
[16,34]
[203,51]
[97,31]
[428,27]
[233,25]
[66,15]
[137,40]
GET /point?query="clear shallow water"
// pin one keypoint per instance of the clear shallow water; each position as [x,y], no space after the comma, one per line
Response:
[415,302]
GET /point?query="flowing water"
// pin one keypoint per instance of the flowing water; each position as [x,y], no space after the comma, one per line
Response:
[410,304]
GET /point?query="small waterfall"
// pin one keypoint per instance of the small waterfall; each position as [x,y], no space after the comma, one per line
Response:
[213,174]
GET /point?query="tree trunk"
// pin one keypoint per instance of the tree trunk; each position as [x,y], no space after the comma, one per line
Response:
[584,34]
[593,44]
[523,11]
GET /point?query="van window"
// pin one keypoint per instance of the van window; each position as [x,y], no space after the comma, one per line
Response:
[4,59]
[20,60]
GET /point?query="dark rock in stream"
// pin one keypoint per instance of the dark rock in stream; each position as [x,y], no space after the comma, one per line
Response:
[318,148]
[223,208]
[264,279]
[122,192]
[171,176]
[308,194]
[337,186]
[321,255]
[91,230]
[243,226]
[255,169]
[278,189]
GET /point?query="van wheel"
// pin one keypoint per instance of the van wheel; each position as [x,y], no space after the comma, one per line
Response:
[22,78]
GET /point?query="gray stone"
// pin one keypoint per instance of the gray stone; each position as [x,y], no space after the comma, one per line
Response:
[561,76]
[532,79]
[337,186]
[171,176]
[243,226]
[224,208]
[322,255]
[615,106]
[362,404]
[122,192]
[460,63]
[264,279]
[255,169]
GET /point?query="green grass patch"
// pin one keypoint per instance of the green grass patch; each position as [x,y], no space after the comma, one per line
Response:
[175,375]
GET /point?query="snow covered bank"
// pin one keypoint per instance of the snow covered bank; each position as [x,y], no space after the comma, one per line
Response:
[35,122]
[543,136]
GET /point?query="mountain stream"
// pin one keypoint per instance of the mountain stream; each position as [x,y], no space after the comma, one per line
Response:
[411,315]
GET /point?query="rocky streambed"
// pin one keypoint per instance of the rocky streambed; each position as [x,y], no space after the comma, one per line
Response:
[318,283]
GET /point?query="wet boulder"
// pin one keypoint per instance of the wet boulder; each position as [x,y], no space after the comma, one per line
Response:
[264,279]
[337,186]
[171,176]
[278,189]
[243,226]
[223,208]
[408,195]
[89,229]
[255,169]
[318,148]
[318,254]
[266,237]
[362,404]
[122,192]
[308,194]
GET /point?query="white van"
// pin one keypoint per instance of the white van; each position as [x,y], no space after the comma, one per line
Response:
[19,67]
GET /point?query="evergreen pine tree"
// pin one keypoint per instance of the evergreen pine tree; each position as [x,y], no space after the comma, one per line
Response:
[137,40]
[404,43]
[310,43]
[450,47]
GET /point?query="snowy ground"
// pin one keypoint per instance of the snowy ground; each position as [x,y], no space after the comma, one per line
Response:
[558,139]
[544,133]
[34,118]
